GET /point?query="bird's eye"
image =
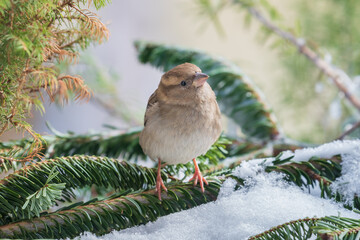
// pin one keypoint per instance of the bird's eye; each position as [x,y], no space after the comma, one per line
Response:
[183,83]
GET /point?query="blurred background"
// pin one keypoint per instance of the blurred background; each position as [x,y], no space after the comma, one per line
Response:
[307,105]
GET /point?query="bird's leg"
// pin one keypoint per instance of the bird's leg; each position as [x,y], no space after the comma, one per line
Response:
[159,182]
[198,177]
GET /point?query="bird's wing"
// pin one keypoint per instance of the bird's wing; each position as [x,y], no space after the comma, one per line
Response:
[151,103]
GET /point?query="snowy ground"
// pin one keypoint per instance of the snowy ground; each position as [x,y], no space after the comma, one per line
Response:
[265,201]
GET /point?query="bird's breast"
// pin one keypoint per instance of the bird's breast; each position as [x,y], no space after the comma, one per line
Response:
[177,134]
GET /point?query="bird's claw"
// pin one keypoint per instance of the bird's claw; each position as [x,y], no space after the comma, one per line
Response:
[198,177]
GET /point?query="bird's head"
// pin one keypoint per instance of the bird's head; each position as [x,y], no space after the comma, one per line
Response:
[183,84]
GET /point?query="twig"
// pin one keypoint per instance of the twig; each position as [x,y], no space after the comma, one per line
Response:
[320,63]
[347,132]
[70,43]
[110,206]
[21,81]
[78,10]
[290,224]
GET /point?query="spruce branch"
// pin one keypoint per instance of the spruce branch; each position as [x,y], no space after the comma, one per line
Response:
[45,197]
[114,213]
[75,172]
[328,227]
[124,144]
[315,171]
[127,208]
[308,173]
[115,143]
[335,227]
[320,63]
[298,229]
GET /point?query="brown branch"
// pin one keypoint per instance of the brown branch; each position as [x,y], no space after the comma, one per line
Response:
[347,132]
[21,81]
[4,127]
[316,176]
[330,236]
[320,63]
[12,14]
[78,10]
[68,2]
[70,43]
[22,78]
[59,8]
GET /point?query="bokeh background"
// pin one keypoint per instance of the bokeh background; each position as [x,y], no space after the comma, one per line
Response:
[306,104]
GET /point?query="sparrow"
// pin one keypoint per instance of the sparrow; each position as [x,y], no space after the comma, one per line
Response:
[182,120]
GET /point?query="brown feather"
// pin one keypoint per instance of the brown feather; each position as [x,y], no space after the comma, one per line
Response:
[182,121]
[152,100]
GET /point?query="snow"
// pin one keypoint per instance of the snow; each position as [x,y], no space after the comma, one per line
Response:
[326,150]
[252,168]
[349,182]
[265,201]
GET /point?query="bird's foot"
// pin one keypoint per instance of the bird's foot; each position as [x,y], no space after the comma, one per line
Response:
[160,184]
[198,177]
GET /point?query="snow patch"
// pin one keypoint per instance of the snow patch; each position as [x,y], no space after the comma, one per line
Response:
[326,150]
[252,167]
[264,202]
[349,182]
[227,188]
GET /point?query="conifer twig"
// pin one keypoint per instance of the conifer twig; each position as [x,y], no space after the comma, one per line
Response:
[350,130]
[320,63]
[263,235]
[100,211]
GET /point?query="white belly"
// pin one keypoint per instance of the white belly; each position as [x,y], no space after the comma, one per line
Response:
[178,138]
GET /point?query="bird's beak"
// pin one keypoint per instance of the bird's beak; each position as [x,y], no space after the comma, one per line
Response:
[200,79]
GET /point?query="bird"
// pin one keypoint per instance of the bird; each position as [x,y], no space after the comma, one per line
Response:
[182,121]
